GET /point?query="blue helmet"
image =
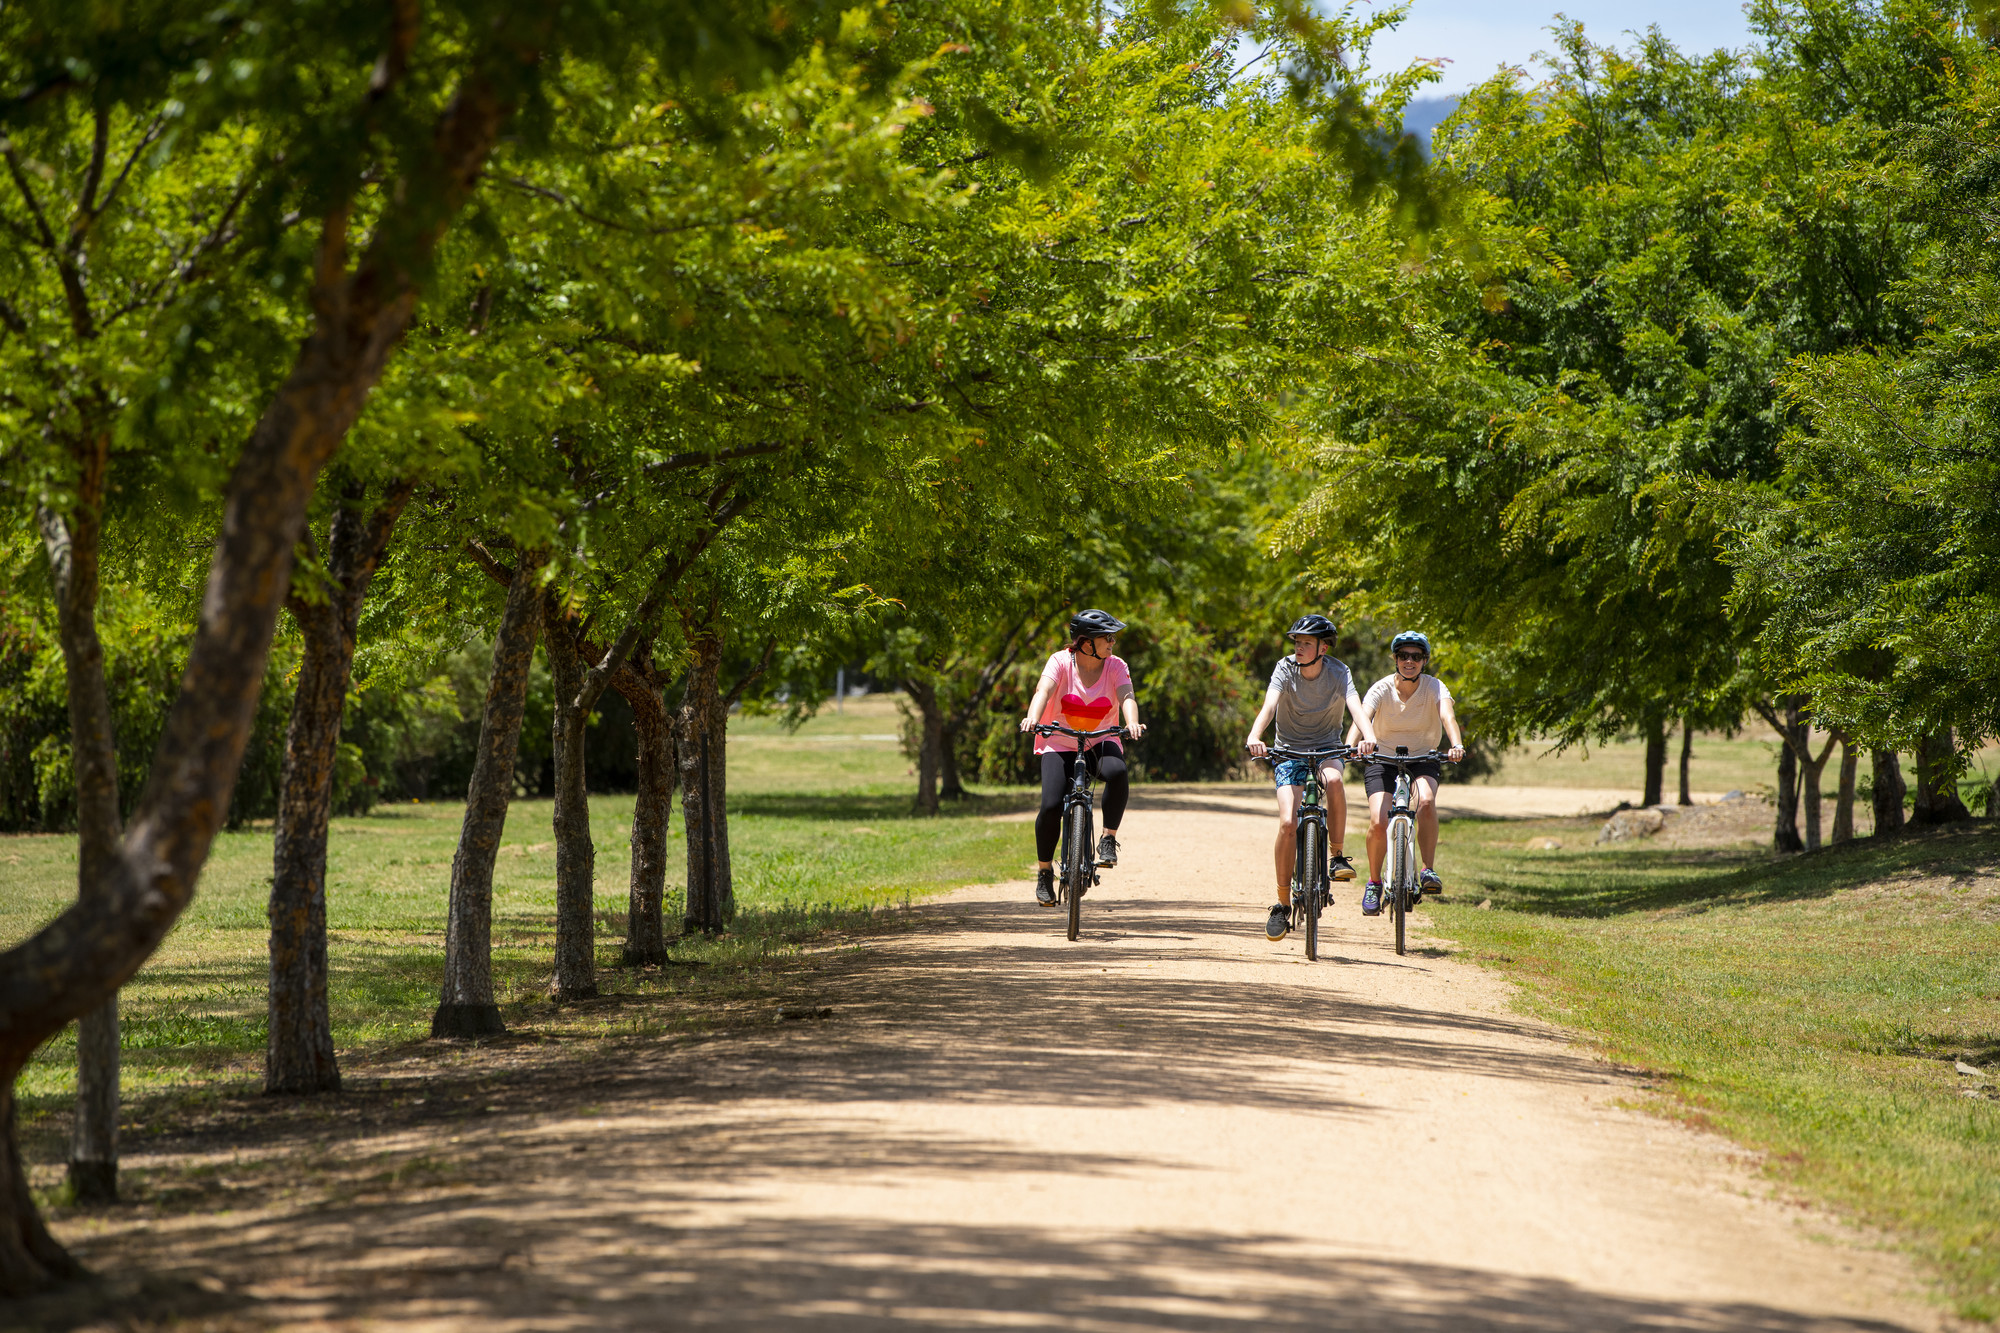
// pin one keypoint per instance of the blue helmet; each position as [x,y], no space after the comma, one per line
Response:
[1410,638]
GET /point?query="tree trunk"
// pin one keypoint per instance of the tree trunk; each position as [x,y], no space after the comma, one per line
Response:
[1889,790]
[1687,753]
[466,1008]
[30,1259]
[1785,836]
[78,961]
[72,544]
[652,809]
[1656,762]
[1843,807]
[930,744]
[705,816]
[576,855]
[1937,782]
[298,1049]
[1812,767]
[950,787]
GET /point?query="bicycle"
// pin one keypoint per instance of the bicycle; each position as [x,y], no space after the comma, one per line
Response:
[1312,888]
[1399,875]
[1078,858]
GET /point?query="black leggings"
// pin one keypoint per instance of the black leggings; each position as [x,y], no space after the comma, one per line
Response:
[1106,765]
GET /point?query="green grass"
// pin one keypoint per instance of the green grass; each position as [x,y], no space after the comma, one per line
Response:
[1747,761]
[821,834]
[1810,1006]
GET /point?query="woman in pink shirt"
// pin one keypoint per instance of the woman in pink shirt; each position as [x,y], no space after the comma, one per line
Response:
[1085,687]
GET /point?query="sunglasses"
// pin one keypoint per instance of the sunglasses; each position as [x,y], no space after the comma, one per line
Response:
[1409,657]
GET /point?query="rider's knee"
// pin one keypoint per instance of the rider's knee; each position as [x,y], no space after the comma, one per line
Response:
[1288,823]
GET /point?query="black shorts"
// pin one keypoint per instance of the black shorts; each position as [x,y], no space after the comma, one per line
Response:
[1378,777]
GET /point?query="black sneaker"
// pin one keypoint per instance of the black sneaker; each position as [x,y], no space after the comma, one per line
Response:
[1045,886]
[1341,869]
[1429,882]
[1107,852]
[1371,898]
[1280,924]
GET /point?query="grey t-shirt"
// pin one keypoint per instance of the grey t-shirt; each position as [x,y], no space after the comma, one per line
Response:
[1310,712]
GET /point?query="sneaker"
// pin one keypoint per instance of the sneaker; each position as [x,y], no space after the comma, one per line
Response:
[1429,882]
[1341,869]
[1280,924]
[1371,898]
[1107,852]
[1045,886]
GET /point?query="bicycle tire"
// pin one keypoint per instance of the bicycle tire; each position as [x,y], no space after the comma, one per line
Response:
[1401,853]
[1076,866]
[1308,884]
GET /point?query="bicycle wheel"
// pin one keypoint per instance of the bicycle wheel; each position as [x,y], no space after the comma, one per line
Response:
[1402,853]
[1076,865]
[1308,885]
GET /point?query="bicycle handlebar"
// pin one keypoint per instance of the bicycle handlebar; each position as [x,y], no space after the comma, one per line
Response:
[1439,756]
[1273,753]
[1057,729]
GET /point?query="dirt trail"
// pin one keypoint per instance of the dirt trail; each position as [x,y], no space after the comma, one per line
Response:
[1172,1124]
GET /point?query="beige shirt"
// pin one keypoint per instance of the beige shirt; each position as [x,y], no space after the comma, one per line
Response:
[1416,722]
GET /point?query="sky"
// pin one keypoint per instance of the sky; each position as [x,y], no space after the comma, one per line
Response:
[1478,36]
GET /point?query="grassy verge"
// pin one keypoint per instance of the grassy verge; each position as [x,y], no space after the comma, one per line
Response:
[1811,1006]
[195,1014]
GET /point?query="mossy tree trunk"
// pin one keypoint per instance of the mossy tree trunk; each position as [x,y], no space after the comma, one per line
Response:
[298,1048]
[1889,789]
[72,543]
[467,1007]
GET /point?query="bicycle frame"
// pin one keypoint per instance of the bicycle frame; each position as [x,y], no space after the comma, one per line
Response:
[1078,855]
[1312,814]
[1401,889]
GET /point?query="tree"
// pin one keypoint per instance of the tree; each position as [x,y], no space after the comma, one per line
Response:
[420,126]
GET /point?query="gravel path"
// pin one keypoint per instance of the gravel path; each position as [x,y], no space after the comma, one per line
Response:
[1171,1124]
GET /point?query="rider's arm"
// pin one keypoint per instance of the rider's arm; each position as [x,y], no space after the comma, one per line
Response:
[1450,717]
[1132,722]
[1037,704]
[1361,720]
[1255,745]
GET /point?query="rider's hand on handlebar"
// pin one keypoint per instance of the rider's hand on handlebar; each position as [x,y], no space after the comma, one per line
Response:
[1364,748]
[1028,722]
[1135,730]
[1255,747]
[1457,753]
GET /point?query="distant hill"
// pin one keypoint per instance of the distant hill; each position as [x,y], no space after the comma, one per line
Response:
[1424,114]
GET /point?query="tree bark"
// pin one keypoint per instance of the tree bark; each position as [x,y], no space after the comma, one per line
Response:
[652,809]
[1785,836]
[1656,761]
[711,899]
[930,742]
[72,544]
[1889,790]
[1843,809]
[1811,769]
[1687,753]
[466,1008]
[950,787]
[1937,783]
[78,961]
[575,975]
[298,1048]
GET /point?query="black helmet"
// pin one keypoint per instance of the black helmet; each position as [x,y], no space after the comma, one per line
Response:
[1408,637]
[1093,622]
[1313,623]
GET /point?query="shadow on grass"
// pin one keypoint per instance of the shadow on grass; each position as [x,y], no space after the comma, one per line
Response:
[1601,883]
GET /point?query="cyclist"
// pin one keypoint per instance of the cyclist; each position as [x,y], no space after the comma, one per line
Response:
[1309,694]
[1082,686]
[1407,708]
